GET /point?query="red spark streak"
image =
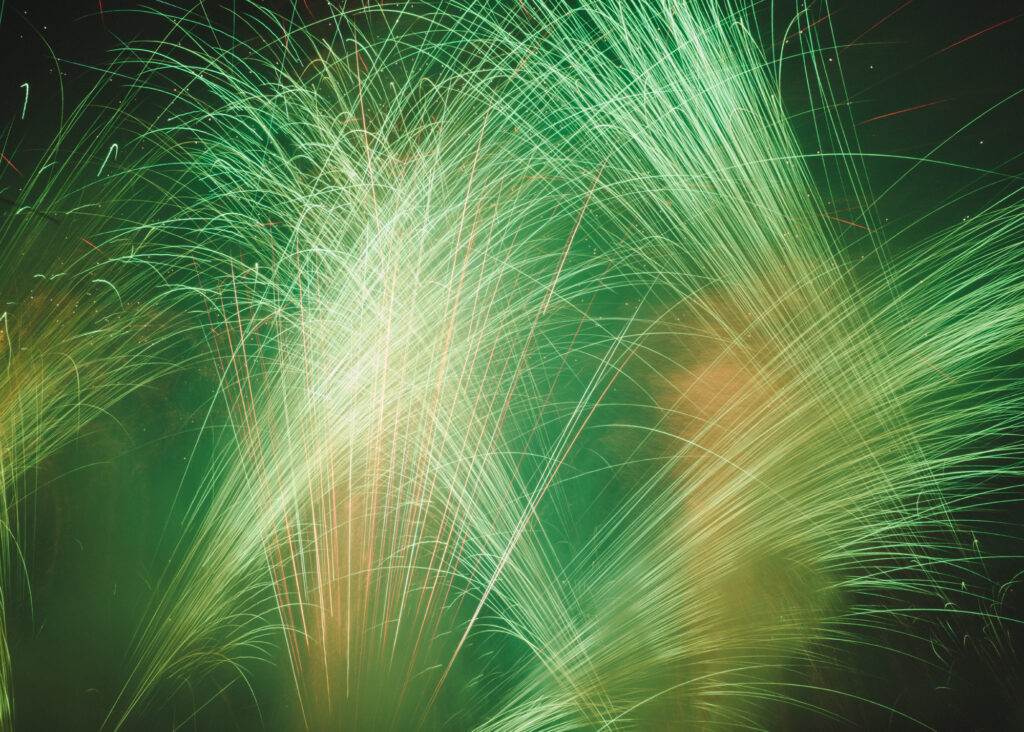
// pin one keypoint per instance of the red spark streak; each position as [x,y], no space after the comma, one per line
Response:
[943,374]
[284,31]
[6,160]
[844,221]
[901,111]
[794,34]
[975,35]
[876,25]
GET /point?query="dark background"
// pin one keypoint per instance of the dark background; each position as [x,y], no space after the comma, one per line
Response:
[90,567]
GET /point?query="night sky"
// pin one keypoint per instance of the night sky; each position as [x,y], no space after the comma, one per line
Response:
[922,78]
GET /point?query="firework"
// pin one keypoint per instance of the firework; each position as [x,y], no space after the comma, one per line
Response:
[548,390]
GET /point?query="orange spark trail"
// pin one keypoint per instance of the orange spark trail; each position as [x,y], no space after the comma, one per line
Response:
[794,34]
[876,25]
[936,370]
[975,35]
[7,160]
[901,111]
[845,221]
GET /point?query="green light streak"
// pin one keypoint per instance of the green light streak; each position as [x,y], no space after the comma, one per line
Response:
[554,398]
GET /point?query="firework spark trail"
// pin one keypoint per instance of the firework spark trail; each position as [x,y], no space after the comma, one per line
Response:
[393,296]
[824,356]
[82,328]
[348,384]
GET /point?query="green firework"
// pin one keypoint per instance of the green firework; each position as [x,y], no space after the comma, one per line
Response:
[555,396]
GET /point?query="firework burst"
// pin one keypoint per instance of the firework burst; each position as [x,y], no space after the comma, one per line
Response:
[549,389]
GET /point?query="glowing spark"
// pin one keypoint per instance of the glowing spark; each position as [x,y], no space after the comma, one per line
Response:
[902,111]
[111,151]
[975,35]
[6,160]
[875,25]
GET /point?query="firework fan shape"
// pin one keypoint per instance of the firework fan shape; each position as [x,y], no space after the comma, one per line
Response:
[520,371]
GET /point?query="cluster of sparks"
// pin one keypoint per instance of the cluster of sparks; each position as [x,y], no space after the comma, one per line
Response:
[552,398]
